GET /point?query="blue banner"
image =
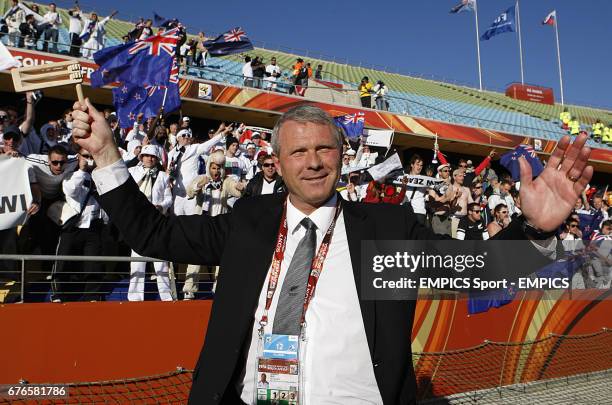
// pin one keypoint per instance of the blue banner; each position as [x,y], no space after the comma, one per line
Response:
[504,23]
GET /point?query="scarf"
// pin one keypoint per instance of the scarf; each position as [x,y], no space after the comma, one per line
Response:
[146,183]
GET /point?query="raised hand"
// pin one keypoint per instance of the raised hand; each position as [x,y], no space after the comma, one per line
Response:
[548,200]
[92,132]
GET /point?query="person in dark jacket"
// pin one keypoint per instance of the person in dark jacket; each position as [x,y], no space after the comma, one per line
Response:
[267,181]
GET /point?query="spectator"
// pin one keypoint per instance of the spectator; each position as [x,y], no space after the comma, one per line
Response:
[574,127]
[365,92]
[9,117]
[184,165]
[380,96]
[364,157]
[155,185]
[14,17]
[597,207]
[247,72]
[211,193]
[74,29]
[415,196]
[146,31]
[319,72]
[186,122]
[201,51]
[572,230]
[565,117]
[378,192]
[439,202]
[477,196]
[53,20]
[267,181]
[93,34]
[82,234]
[460,202]
[355,189]
[503,196]
[597,130]
[471,226]
[501,219]
[234,166]
[259,71]
[28,33]
[348,159]
[273,72]
[300,75]
[607,135]
[132,153]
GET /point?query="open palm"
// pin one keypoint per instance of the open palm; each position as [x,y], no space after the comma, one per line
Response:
[548,200]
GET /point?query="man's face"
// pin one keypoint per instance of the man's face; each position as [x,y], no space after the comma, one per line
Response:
[273,61]
[149,161]
[148,23]
[597,203]
[477,189]
[606,230]
[215,171]
[57,163]
[268,168]
[52,7]
[183,140]
[578,204]
[416,167]
[475,214]
[346,159]
[505,189]
[459,178]
[250,152]
[572,227]
[184,124]
[94,17]
[309,162]
[463,165]
[10,145]
[502,213]
[366,149]
[231,150]
[173,129]
[444,173]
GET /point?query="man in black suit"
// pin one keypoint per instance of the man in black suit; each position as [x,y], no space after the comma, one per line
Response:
[358,350]
[267,181]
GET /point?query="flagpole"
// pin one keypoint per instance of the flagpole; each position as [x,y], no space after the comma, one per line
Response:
[559,57]
[478,44]
[518,20]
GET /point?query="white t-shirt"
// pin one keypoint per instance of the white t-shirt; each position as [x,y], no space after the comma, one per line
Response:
[272,70]
[53,18]
[268,187]
[247,70]
[415,196]
[75,26]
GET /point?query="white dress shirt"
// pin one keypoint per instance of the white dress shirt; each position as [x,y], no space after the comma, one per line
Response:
[337,365]
[76,192]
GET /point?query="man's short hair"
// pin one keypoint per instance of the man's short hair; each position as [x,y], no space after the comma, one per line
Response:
[471,206]
[415,158]
[305,114]
[231,140]
[499,207]
[607,222]
[57,149]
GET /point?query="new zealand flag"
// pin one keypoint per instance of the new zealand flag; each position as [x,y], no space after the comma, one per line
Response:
[232,41]
[510,161]
[147,62]
[352,124]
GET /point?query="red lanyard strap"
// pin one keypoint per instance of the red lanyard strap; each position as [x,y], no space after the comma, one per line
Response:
[316,267]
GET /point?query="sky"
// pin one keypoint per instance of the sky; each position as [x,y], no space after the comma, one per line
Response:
[417,37]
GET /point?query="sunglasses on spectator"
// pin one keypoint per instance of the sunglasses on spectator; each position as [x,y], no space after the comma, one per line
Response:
[87,156]
[445,170]
[503,212]
[462,165]
[268,165]
[58,162]
[476,210]
[477,186]
[573,226]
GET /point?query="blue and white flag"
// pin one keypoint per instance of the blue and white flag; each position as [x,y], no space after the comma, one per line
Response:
[352,124]
[504,23]
[465,5]
[144,62]
[230,42]
[510,161]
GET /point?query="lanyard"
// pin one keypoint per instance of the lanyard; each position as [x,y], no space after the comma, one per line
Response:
[315,268]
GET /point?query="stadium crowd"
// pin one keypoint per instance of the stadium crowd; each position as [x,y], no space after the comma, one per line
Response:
[184,172]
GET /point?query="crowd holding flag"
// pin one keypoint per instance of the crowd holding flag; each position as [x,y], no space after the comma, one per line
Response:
[230,42]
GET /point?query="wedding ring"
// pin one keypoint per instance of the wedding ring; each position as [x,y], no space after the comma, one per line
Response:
[572,178]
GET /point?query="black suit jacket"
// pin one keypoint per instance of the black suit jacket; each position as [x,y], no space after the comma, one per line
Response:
[213,241]
[255,185]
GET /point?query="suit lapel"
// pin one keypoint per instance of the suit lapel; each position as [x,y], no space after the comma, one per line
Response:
[358,228]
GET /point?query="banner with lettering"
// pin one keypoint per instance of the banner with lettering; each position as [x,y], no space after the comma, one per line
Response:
[419,181]
[15,195]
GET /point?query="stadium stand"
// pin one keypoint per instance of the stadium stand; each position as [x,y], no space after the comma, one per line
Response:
[408,95]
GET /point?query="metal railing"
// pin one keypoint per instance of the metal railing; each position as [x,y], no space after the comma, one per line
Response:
[47,277]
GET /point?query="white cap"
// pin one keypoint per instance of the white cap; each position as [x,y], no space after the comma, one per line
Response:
[186,118]
[350,152]
[443,166]
[251,145]
[185,132]
[151,150]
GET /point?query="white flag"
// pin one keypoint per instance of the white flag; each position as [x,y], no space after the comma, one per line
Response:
[15,194]
[6,59]
[378,137]
[381,170]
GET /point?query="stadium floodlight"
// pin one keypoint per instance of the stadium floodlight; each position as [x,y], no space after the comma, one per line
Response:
[49,75]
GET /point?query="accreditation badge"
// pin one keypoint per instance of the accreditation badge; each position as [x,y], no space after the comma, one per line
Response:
[278,370]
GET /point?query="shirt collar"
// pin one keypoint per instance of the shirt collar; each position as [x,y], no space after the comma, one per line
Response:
[322,216]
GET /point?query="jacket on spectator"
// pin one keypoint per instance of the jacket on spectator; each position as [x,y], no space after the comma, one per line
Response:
[160,194]
[255,185]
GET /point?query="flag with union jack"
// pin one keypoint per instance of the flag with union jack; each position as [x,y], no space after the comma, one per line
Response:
[230,42]
[352,124]
[131,100]
[510,161]
[146,62]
